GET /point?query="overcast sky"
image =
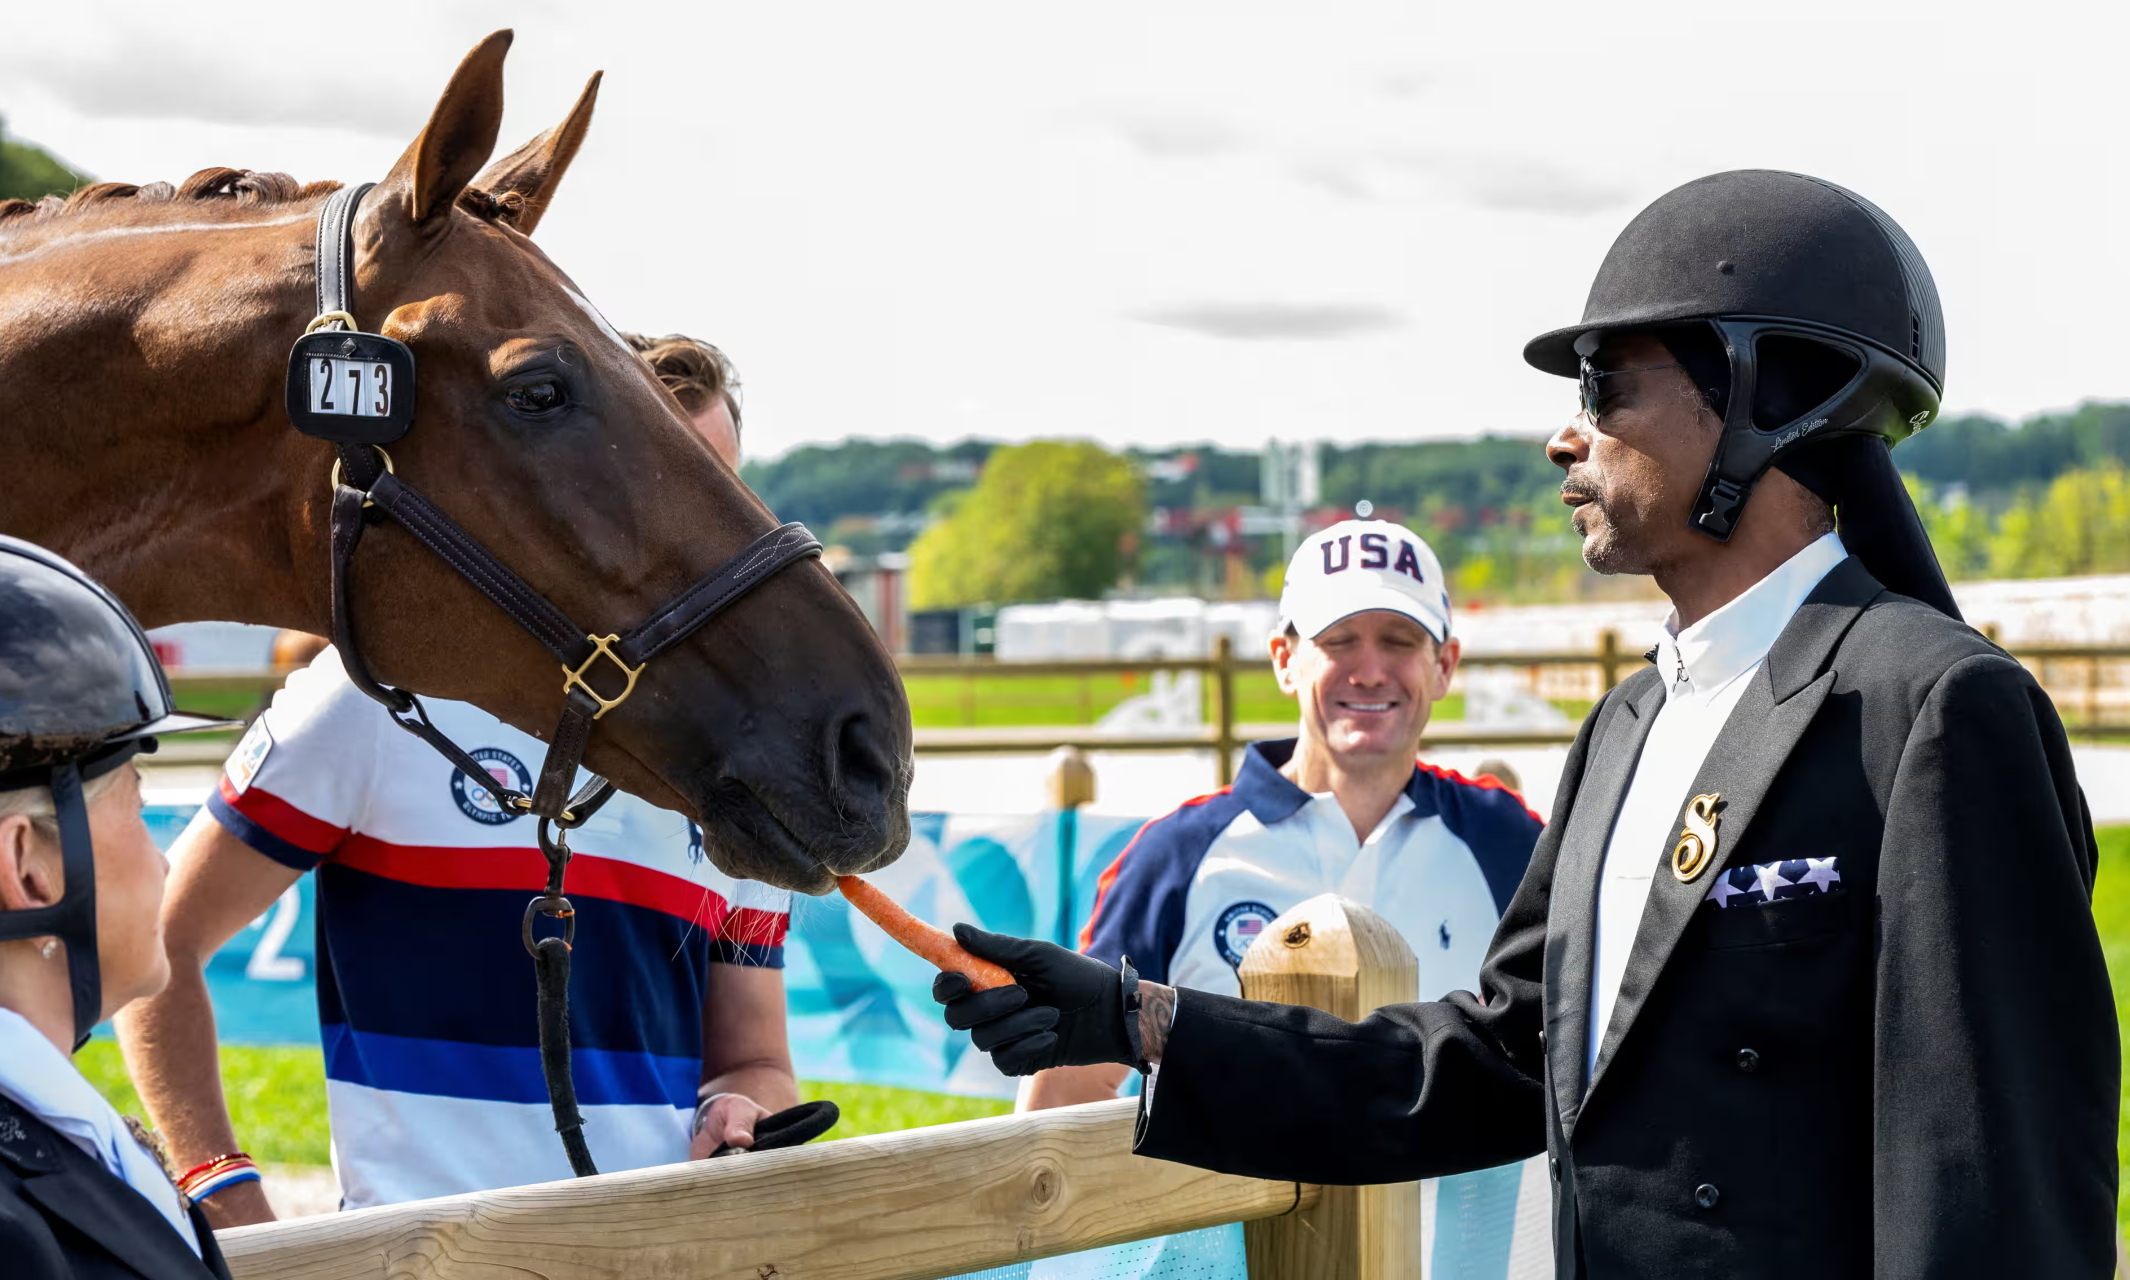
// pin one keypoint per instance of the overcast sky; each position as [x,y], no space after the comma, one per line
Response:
[1154,222]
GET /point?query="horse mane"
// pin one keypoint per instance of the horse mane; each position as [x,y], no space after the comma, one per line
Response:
[234,190]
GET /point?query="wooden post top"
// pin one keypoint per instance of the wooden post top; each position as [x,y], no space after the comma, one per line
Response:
[1334,954]
[1071,781]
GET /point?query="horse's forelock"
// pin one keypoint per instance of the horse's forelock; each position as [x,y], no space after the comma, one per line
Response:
[491,206]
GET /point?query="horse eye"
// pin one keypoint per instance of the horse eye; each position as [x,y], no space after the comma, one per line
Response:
[535,397]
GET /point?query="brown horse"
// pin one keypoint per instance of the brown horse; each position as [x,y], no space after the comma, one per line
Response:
[144,335]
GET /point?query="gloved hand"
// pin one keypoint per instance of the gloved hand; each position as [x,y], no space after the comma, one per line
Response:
[1067,1011]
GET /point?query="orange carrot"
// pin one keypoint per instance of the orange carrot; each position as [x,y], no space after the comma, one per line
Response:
[935,945]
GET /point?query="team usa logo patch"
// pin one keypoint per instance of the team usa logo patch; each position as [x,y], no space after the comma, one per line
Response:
[1238,927]
[477,800]
[243,764]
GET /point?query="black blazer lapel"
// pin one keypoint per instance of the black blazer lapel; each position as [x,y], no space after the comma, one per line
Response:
[116,1217]
[210,1248]
[1571,926]
[1776,709]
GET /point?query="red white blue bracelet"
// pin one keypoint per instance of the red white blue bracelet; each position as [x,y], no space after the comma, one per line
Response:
[218,1174]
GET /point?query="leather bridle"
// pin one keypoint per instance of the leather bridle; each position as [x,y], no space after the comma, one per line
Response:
[366,491]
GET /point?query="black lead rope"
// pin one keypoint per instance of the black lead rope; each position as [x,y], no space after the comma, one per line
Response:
[356,390]
[551,978]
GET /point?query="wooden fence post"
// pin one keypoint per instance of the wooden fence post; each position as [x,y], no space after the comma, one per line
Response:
[1224,705]
[1071,784]
[1609,658]
[1336,955]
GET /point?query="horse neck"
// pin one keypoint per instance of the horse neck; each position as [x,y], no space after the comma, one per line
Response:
[143,425]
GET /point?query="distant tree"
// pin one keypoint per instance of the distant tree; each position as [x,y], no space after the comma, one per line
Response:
[821,484]
[1988,454]
[2081,524]
[28,173]
[1048,520]
[1960,528]
[1451,482]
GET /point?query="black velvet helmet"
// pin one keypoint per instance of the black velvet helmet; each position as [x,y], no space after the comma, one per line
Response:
[80,693]
[1787,271]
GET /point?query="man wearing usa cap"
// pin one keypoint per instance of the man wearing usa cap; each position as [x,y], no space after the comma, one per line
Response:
[1365,649]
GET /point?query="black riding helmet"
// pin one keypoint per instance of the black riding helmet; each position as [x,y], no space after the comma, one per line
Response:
[1808,318]
[80,694]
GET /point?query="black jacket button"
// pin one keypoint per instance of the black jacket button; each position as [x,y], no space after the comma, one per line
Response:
[1554,1163]
[1706,1195]
[1748,1060]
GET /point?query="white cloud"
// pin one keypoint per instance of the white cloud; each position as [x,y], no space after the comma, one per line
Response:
[953,218]
[1273,321]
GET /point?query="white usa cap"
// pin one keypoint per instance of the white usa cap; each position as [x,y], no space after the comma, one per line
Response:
[1358,565]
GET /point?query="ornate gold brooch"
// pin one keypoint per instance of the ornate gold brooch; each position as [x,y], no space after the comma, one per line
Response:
[1697,844]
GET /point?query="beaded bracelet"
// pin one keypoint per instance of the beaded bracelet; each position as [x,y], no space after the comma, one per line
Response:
[217,1174]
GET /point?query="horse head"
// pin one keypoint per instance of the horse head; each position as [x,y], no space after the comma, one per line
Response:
[781,725]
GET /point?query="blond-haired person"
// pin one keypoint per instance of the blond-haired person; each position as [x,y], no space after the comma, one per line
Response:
[81,889]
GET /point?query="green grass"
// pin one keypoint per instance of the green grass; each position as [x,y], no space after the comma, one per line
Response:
[944,702]
[2111,915]
[277,1100]
[276,1096]
[869,1108]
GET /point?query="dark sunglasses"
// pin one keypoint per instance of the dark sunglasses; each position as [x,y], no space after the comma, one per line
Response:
[1587,382]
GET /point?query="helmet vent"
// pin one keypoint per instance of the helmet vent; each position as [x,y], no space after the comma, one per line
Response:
[1796,375]
[1915,337]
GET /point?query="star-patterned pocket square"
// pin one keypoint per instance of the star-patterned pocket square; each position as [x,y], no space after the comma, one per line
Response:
[1757,886]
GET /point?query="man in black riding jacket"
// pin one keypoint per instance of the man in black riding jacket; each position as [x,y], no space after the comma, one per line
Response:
[1803,978]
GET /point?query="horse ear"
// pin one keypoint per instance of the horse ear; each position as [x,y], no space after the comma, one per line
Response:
[535,169]
[460,135]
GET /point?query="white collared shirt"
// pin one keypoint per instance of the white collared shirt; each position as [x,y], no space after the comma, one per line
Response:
[46,1083]
[1706,669]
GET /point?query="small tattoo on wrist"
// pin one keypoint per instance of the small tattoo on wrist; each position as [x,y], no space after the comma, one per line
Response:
[1157,1009]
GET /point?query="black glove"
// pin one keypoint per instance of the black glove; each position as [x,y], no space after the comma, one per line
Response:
[787,1128]
[1068,1010]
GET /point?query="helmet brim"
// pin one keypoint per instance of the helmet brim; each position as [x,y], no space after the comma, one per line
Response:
[176,722]
[1554,352]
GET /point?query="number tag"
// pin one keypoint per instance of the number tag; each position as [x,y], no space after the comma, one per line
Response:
[352,387]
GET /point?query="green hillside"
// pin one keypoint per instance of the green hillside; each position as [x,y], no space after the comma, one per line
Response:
[30,173]
[2049,496]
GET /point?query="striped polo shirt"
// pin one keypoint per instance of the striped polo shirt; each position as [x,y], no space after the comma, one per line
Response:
[425,993]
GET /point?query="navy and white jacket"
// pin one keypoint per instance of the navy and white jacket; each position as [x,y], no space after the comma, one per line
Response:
[1191,892]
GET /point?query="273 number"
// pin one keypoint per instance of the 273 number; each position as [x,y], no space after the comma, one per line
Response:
[354,388]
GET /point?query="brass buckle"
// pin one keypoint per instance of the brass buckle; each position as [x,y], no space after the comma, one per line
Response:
[334,484]
[341,318]
[575,679]
[523,803]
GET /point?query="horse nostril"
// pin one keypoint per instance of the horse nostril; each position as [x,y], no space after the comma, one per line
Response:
[862,769]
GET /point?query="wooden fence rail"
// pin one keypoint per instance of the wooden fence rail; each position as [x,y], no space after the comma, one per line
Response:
[915,1205]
